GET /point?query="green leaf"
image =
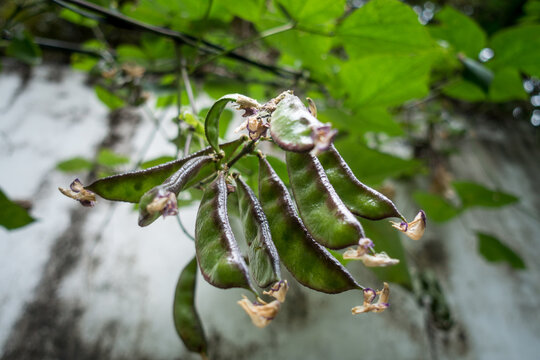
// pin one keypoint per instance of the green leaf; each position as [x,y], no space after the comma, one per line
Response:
[517,47]
[211,123]
[507,85]
[384,27]
[23,47]
[108,158]
[157,161]
[12,215]
[313,12]
[437,208]
[387,239]
[473,194]
[385,80]
[75,18]
[83,62]
[249,10]
[460,31]
[362,120]
[371,166]
[493,250]
[193,121]
[74,164]
[112,101]
[464,90]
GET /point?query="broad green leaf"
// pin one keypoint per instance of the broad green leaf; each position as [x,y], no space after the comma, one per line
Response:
[23,47]
[108,158]
[74,164]
[131,186]
[361,120]
[383,27]
[387,239]
[435,206]
[473,194]
[112,101]
[371,166]
[193,121]
[12,215]
[186,320]
[493,250]
[78,19]
[507,85]
[313,12]
[464,90]
[83,62]
[385,80]
[211,123]
[157,161]
[460,31]
[249,10]
[517,47]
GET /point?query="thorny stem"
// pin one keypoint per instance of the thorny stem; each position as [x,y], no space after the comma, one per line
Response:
[121,20]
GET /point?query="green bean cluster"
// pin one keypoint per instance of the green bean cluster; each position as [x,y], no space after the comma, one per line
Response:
[302,231]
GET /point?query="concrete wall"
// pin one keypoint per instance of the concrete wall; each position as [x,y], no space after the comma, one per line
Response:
[89,283]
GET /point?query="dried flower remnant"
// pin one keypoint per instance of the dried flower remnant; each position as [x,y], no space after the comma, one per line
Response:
[322,136]
[369,297]
[249,105]
[415,229]
[278,290]
[255,126]
[260,312]
[133,70]
[312,107]
[164,203]
[371,260]
[77,192]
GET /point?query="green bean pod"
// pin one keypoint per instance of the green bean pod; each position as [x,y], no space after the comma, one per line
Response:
[262,253]
[310,263]
[220,260]
[131,186]
[172,185]
[294,128]
[360,199]
[186,320]
[323,213]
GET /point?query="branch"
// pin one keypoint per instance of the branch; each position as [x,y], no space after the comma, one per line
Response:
[121,20]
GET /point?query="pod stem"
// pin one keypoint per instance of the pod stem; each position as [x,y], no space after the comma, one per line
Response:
[248,148]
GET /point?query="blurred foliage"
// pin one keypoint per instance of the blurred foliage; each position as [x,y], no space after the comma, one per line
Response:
[13,215]
[493,250]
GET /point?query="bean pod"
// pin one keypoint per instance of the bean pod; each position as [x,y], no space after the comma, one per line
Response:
[294,128]
[325,216]
[262,253]
[131,186]
[310,263]
[186,320]
[360,199]
[220,260]
[171,186]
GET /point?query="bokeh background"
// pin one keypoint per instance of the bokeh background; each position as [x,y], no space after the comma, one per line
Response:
[437,106]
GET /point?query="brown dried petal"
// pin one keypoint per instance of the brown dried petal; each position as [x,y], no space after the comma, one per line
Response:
[415,229]
[278,291]
[261,313]
[77,192]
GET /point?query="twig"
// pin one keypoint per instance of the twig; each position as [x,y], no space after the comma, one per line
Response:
[118,19]
[183,228]
[248,148]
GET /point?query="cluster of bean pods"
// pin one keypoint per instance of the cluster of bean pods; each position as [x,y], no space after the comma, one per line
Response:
[295,231]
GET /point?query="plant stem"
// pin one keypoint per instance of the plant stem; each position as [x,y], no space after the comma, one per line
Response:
[248,148]
[183,228]
[264,34]
[121,20]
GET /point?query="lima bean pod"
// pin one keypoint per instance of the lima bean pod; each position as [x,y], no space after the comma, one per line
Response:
[219,257]
[262,253]
[360,199]
[186,320]
[309,262]
[323,213]
[131,186]
[172,185]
